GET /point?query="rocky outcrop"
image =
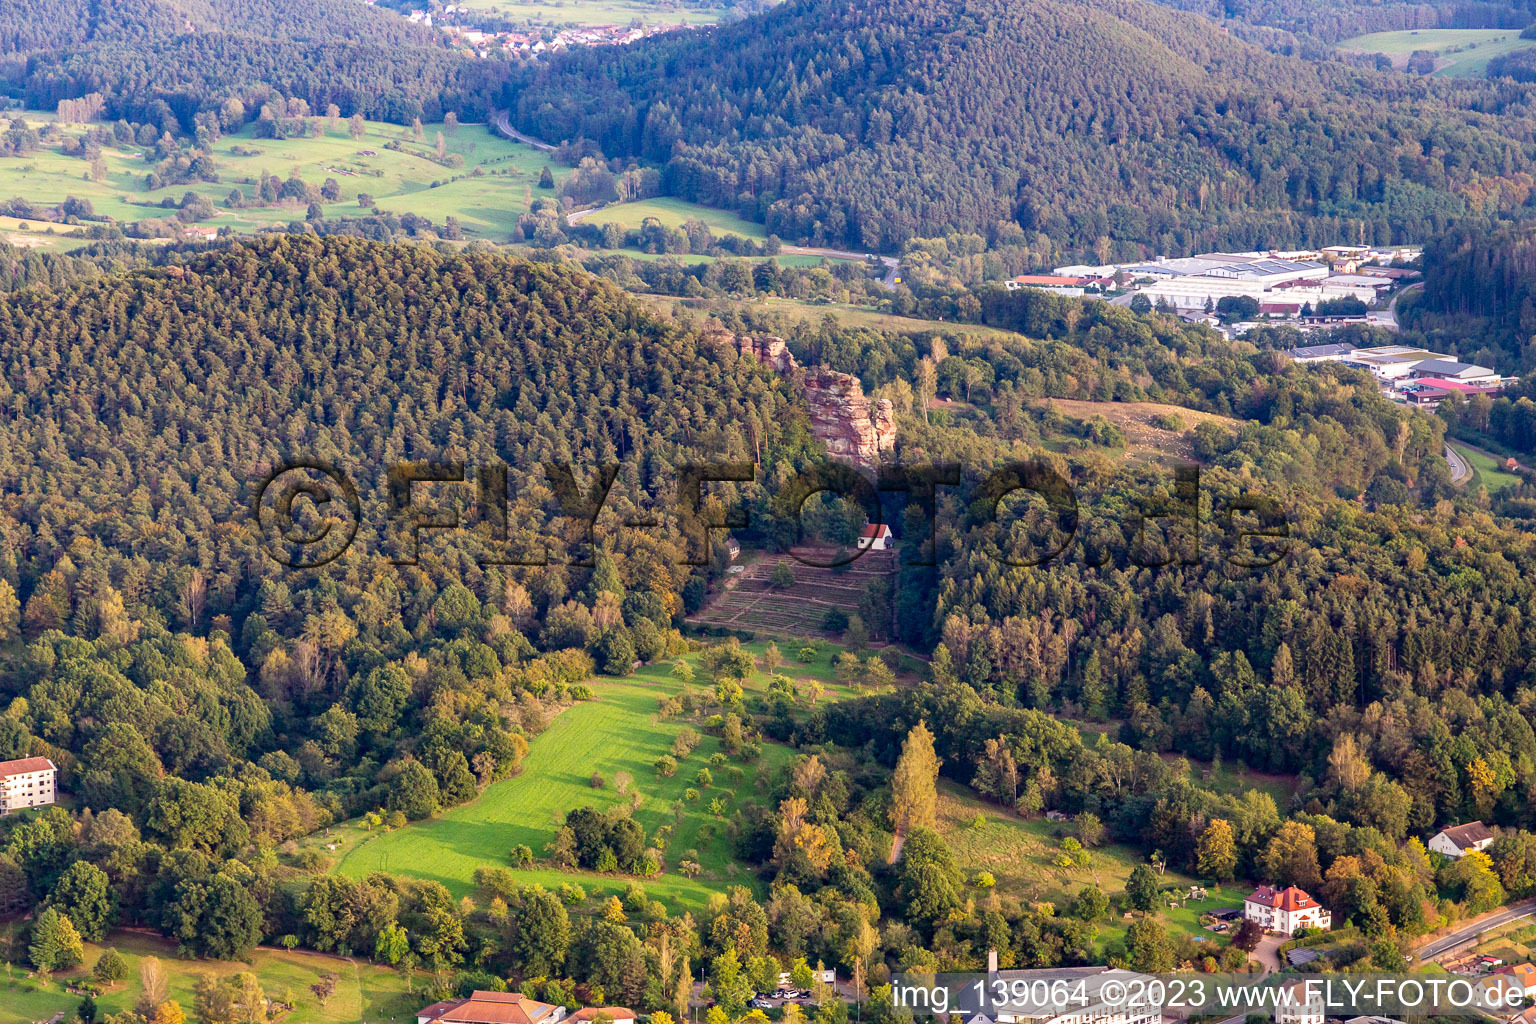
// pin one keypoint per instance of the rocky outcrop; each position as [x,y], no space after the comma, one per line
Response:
[768,350]
[842,418]
[841,415]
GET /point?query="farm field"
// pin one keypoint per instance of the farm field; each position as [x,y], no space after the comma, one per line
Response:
[749,601]
[363,991]
[617,732]
[672,213]
[494,187]
[596,12]
[1475,46]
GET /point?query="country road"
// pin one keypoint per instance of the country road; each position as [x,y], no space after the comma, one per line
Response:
[1460,471]
[503,123]
[1465,936]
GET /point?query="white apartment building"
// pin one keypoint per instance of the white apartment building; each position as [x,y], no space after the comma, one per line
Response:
[28,782]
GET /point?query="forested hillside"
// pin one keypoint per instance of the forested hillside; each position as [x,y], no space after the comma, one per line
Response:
[1332,20]
[1380,618]
[1112,125]
[153,58]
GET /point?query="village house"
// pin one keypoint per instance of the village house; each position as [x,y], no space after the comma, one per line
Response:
[28,782]
[1460,840]
[1522,977]
[1285,910]
[1300,1004]
[492,1008]
[875,538]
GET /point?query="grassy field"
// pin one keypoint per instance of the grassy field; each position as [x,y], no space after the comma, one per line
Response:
[363,991]
[406,178]
[1475,46]
[672,213]
[1023,856]
[1143,437]
[616,732]
[1487,469]
[596,12]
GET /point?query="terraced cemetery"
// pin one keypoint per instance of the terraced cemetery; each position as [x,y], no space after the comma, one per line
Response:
[752,602]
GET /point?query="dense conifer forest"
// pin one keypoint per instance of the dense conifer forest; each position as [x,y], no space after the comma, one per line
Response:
[162,62]
[1116,126]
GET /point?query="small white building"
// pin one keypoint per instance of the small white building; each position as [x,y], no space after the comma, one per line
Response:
[1285,910]
[1460,840]
[27,782]
[875,538]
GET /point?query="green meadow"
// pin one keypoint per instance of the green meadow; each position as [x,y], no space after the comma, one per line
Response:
[494,185]
[672,213]
[1474,47]
[363,991]
[618,731]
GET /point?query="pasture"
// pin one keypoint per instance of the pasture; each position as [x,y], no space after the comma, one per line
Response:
[401,173]
[672,213]
[618,732]
[1460,52]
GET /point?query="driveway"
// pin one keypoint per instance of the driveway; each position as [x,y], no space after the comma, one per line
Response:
[1268,951]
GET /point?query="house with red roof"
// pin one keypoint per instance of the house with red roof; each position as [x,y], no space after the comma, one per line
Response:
[1285,910]
[491,1008]
[875,538]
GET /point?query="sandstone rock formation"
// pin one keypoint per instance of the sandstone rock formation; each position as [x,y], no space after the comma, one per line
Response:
[841,415]
[768,350]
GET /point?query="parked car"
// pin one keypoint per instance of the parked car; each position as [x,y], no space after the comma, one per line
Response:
[760,1004]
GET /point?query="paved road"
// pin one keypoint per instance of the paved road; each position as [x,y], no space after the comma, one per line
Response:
[892,264]
[503,122]
[1464,936]
[1388,317]
[1460,471]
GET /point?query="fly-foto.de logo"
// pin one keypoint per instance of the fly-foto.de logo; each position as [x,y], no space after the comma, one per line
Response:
[309,512]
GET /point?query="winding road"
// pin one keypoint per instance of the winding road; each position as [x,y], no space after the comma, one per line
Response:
[503,122]
[1465,936]
[1460,471]
[501,119]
